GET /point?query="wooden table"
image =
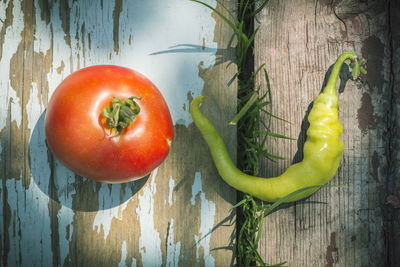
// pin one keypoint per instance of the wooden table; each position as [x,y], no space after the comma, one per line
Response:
[180,214]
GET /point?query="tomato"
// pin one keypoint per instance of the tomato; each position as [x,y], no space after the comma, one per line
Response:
[79,134]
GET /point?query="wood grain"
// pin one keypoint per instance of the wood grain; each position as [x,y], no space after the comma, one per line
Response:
[299,41]
[180,214]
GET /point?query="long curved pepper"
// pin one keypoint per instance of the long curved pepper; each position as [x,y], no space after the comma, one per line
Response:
[322,150]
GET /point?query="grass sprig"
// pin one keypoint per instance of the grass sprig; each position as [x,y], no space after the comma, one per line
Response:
[252,131]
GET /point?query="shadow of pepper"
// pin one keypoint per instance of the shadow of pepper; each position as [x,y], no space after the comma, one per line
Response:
[344,76]
[69,189]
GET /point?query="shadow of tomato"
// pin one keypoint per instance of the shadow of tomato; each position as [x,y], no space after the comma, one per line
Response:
[69,189]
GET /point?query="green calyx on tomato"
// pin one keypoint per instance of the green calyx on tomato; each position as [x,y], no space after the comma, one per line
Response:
[121,113]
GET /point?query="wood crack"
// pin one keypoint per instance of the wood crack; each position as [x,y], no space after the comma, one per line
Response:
[339,18]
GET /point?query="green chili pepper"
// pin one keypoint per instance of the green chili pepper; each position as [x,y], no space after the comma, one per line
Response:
[322,150]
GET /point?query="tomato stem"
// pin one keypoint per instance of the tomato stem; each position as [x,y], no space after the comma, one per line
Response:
[121,113]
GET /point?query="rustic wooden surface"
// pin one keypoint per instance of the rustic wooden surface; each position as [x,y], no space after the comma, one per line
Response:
[180,214]
[299,41]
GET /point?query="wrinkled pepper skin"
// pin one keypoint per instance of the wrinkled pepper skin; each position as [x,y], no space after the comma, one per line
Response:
[322,150]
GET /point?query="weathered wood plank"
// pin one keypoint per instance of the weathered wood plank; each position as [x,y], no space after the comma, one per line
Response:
[392,215]
[298,41]
[180,214]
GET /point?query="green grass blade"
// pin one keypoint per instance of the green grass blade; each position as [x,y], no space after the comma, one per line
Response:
[268,84]
[253,36]
[274,135]
[274,116]
[245,108]
[287,197]
[258,10]
[240,203]
[269,155]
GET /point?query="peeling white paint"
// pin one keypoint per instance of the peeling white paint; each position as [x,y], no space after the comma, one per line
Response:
[31,205]
[173,250]
[207,215]
[61,50]
[3,7]
[34,108]
[171,190]
[124,252]
[149,240]
[196,187]
[29,212]
[65,229]
[109,207]
[8,95]
[101,38]
[64,180]
[42,40]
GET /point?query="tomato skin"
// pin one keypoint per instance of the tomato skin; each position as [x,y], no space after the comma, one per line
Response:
[77,135]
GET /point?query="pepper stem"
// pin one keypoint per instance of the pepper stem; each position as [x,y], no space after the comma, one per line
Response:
[356,65]
[121,113]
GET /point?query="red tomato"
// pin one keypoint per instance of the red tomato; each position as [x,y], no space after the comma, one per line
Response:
[79,137]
